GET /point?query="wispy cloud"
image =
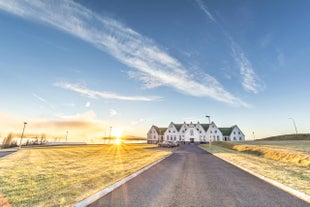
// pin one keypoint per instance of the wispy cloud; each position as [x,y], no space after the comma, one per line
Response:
[136,122]
[112,112]
[250,81]
[152,65]
[96,94]
[43,100]
[205,9]
[87,104]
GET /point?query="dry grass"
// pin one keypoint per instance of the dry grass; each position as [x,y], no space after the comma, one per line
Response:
[294,152]
[290,173]
[61,176]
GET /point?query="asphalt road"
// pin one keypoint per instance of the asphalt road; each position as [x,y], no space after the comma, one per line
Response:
[5,153]
[193,177]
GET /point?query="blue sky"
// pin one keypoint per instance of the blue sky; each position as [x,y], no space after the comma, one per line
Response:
[84,66]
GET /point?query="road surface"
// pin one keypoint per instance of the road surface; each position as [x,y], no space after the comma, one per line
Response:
[194,177]
[5,153]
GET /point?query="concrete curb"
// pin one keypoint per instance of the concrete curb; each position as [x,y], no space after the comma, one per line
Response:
[110,188]
[283,187]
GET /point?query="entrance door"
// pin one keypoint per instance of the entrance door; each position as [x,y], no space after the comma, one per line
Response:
[191,140]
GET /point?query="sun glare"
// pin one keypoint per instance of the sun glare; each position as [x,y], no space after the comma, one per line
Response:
[117,132]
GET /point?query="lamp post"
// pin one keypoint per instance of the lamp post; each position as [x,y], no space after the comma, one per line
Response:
[21,137]
[210,145]
[209,119]
[67,137]
[294,123]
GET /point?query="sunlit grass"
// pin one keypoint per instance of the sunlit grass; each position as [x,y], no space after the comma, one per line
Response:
[252,156]
[61,176]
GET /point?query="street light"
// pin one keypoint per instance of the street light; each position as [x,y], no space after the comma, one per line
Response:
[210,134]
[21,137]
[67,137]
[209,119]
[294,123]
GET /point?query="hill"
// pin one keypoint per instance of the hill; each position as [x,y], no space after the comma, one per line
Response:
[287,137]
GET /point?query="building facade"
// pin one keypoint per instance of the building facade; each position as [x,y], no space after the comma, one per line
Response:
[194,133]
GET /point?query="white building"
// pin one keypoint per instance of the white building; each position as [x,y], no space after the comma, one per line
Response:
[194,133]
[232,134]
[155,135]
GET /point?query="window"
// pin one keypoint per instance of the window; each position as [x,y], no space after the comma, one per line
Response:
[173,131]
[169,131]
[215,131]
[240,138]
[192,132]
[218,136]
[211,132]
[234,132]
[235,138]
[238,132]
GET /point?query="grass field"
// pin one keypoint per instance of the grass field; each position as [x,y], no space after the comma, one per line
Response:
[62,176]
[284,161]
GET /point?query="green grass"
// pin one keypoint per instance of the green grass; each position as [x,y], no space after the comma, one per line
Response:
[254,156]
[62,176]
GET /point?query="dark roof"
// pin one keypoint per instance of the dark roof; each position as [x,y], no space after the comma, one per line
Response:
[226,131]
[178,126]
[205,126]
[160,130]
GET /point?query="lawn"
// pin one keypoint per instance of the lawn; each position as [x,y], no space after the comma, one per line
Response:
[284,161]
[62,176]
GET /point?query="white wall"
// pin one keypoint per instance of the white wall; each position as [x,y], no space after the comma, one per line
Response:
[152,135]
[214,133]
[237,135]
[171,134]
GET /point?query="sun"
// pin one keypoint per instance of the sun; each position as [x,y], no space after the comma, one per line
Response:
[117,132]
[118,141]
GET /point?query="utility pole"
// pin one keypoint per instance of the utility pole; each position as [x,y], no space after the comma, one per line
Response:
[21,137]
[294,123]
[253,136]
[67,137]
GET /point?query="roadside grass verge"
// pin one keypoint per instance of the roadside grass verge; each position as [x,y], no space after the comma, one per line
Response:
[290,174]
[62,176]
[294,152]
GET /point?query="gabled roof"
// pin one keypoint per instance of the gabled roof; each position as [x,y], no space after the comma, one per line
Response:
[178,126]
[160,130]
[205,126]
[226,131]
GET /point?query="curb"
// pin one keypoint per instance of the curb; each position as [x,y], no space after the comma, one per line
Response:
[110,188]
[283,187]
